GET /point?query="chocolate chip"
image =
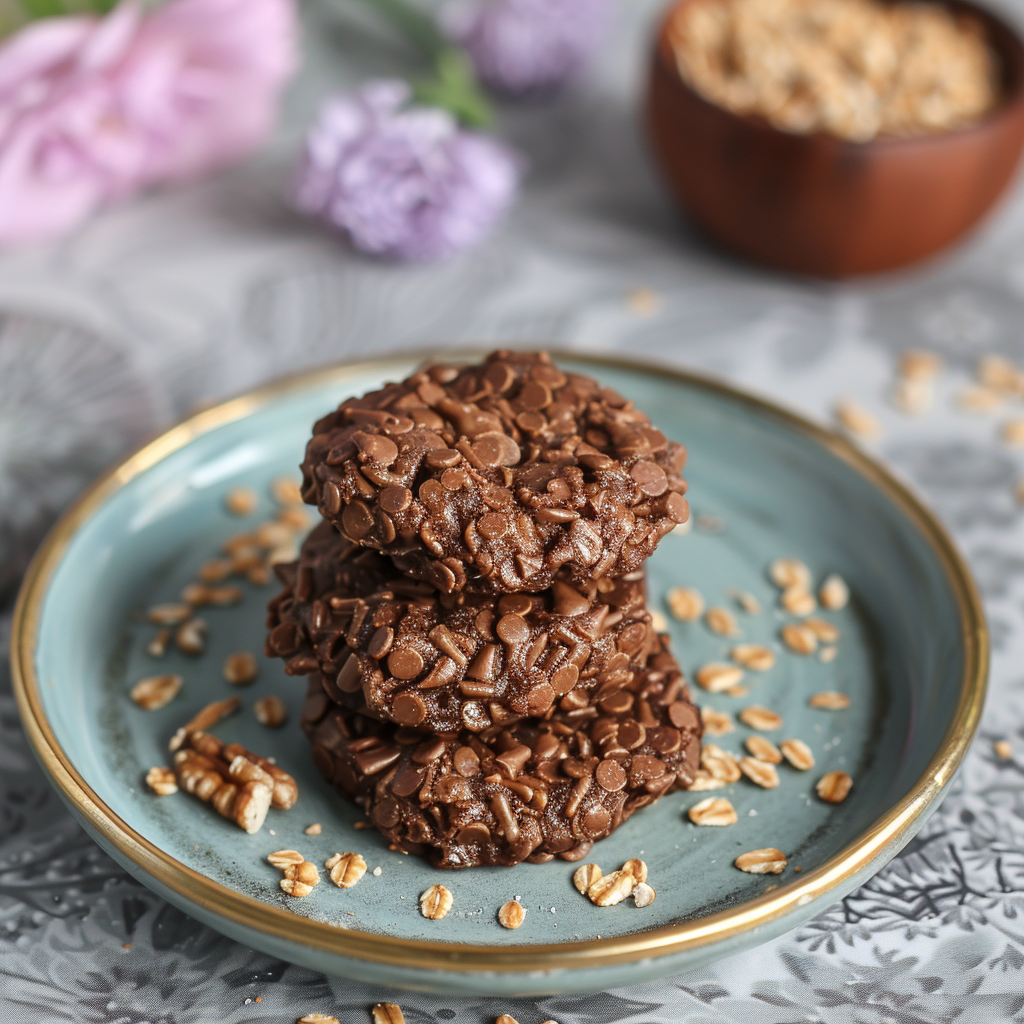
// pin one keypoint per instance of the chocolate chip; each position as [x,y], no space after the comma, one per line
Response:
[477,832]
[443,458]
[534,395]
[380,643]
[356,520]
[677,508]
[540,698]
[632,735]
[395,498]
[496,449]
[492,525]
[386,812]
[683,715]
[467,763]
[611,776]
[405,663]
[567,601]
[330,498]
[596,820]
[408,709]
[376,448]
[408,780]
[650,478]
[564,679]
[500,376]
[454,479]
[513,629]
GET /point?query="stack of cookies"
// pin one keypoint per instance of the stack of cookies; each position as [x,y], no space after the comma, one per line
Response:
[485,680]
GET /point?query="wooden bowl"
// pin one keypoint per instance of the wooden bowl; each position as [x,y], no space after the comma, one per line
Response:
[817,204]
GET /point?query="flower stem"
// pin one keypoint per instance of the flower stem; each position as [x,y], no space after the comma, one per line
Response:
[453,85]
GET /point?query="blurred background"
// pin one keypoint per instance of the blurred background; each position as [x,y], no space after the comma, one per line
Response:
[180,296]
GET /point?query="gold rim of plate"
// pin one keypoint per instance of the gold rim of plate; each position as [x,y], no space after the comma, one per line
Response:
[219,900]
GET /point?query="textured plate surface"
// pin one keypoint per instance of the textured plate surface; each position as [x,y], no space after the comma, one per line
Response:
[912,658]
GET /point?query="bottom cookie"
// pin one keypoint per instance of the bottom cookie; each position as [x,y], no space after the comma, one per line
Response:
[523,790]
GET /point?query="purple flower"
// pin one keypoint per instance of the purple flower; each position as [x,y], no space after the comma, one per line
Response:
[526,46]
[402,181]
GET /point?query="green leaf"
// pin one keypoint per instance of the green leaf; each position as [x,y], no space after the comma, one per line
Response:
[453,85]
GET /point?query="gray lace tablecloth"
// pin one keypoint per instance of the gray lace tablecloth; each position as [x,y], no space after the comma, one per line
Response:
[183,297]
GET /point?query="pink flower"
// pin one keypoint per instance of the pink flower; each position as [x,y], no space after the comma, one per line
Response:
[94,109]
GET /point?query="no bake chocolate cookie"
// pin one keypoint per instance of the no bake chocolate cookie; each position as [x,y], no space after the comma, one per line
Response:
[397,649]
[527,789]
[498,477]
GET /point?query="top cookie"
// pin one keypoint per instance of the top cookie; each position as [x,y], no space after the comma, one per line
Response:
[495,477]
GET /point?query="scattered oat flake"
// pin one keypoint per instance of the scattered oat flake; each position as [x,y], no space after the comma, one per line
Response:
[857,420]
[157,647]
[172,614]
[834,786]
[834,593]
[156,692]
[763,749]
[826,632]
[913,397]
[920,364]
[798,601]
[317,1018]
[1003,750]
[241,501]
[737,691]
[241,668]
[635,867]
[612,889]
[377,872]
[685,603]
[703,780]
[282,859]
[746,601]
[505,1018]
[721,621]
[827,654]
[756,657]
[435,902]
[643,895]
[1000,374]
[1012,432]
[760,772]
[716,723]
[799,638]
[979,399]
[585,876]
[1020,492]
[286,491]
[719,764]
[643,301]
[387,1013]
[658,621]
[347,868]
[788,573]
[511,914]
[713,811]
[718,676]
[798,754]
[271,711]
[829,700]
[760,718]
[313,830]
[768,861]
[162,781]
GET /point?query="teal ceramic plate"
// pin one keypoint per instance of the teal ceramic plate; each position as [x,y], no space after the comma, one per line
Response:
[911,657]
